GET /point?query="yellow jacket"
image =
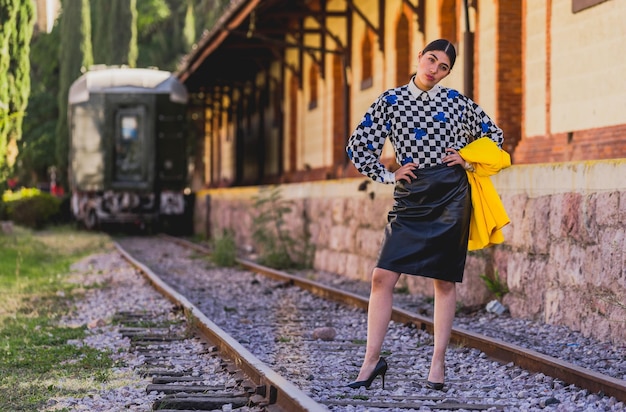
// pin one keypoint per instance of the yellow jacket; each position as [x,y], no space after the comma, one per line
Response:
[488,214]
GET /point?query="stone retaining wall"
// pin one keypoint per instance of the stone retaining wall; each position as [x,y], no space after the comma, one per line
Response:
[563,259]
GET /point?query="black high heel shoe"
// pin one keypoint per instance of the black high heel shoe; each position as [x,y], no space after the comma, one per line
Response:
[380,369]
[436,386]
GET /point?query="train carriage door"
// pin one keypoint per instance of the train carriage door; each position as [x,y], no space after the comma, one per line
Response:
[130,146]
[171,147]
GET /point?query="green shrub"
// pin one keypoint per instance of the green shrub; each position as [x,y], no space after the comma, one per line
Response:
[10,196]
[224,250]
[278,247]
[31,207]
[495,285]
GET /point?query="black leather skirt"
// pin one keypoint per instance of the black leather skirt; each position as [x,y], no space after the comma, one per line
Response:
[428,226]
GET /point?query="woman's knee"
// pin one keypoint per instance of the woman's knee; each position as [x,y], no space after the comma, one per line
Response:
[383,278]
[444,286]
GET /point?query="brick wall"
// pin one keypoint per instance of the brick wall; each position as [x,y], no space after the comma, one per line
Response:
[600,143]
[573,107]
[509,71]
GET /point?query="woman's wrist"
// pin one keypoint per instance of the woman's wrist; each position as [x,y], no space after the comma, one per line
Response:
[468,166]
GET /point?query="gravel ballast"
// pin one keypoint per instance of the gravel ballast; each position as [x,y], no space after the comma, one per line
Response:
[242,303]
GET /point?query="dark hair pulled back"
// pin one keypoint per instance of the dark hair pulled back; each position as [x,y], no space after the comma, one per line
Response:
[444,46]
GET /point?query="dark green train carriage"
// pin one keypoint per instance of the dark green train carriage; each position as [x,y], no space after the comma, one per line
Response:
[128,148]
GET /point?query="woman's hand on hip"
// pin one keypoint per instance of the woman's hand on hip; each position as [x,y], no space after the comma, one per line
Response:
[453,158]
[406,172]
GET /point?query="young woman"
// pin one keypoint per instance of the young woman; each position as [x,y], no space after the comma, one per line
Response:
[428,226]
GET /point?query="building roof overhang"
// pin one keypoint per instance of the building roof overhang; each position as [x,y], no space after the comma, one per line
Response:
[250,35]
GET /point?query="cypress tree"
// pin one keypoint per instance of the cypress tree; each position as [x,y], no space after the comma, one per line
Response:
[37,146]
[19,69]
[75,57]
[8,13]
[16,29]
[160,26]
[123,32]
[101,33]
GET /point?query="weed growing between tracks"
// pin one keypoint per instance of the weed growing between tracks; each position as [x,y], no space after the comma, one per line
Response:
[224,250]
[36,362]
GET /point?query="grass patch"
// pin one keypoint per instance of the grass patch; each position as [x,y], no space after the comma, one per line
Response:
[37,359]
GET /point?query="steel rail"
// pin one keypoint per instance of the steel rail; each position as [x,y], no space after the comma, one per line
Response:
[281,395]
[497,349]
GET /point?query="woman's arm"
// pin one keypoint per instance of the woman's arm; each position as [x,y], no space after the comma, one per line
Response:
[365,145]
[479,124]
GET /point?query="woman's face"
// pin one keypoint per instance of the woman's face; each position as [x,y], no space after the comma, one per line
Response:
[432,67]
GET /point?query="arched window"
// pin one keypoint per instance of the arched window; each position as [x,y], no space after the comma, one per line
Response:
[367,57]
[448,17]
[403,53]
[314,74]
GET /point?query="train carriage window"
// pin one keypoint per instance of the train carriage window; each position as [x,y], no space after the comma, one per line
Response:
[129,145]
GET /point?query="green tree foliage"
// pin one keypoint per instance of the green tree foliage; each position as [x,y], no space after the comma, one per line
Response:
[8,11]
[160,40]
[189,28]
[165,31]
[36,148]
[19,66]
[16,29]
[150,15]
[127,12]
[115,32]
[75,56]
[168,28]
[101,25]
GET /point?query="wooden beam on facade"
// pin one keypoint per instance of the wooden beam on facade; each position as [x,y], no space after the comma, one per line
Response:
[412,6]
[300,53]
[323,42]
[420,12]
[379,31]
[293,69]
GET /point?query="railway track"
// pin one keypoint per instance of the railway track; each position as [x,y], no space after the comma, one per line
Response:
[259,387]
[171,358]
[272,390]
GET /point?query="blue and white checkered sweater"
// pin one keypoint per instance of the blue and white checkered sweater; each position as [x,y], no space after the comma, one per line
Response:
[420,126]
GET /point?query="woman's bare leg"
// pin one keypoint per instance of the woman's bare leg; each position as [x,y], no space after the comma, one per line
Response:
[378,317]
[445,308]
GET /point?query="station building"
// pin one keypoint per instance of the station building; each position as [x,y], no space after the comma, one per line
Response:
[277,87]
